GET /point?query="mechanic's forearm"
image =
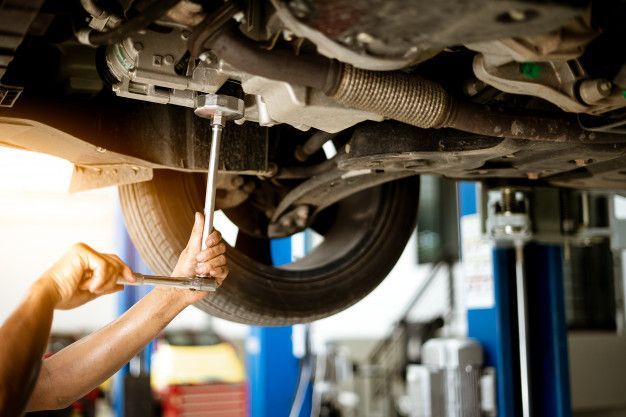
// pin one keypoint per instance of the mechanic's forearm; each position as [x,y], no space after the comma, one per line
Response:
[24,337]
[74,371]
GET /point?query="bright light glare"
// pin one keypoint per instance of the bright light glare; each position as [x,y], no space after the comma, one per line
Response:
[226,227]
[33,172]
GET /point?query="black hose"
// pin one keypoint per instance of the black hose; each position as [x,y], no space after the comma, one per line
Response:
[242,53]
[139,22]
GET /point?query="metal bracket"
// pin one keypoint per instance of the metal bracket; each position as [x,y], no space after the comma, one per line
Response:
[507,215]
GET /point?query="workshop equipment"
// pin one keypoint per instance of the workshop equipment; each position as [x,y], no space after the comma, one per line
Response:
[219,108]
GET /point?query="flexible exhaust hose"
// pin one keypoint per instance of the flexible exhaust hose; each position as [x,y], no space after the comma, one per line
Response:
[396,95]
[405,98]
[426,104]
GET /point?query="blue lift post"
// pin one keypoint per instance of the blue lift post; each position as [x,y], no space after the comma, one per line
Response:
[272,368]
[495,325]
[125,300]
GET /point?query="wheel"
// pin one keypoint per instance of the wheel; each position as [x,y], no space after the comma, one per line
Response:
[363,242]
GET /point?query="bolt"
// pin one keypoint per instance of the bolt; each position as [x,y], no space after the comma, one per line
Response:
[168,60]
[473,86]
[185,35]
[205,57]
[299,8]
[581,162]
[302,212]
[364,37]
[508,200]
[100,149]
[285,222]
[157,60]
[138,46]
[347,148]
[592,91]
[517,15]
[288,35]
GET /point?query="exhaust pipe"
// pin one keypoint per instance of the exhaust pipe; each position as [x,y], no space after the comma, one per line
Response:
[396,95]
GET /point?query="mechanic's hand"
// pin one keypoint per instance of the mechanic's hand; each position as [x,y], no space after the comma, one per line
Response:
[83,274]
[195,262]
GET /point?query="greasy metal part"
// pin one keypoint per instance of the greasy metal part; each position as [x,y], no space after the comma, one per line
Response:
[592,91]
[210,26]
[409,99]
[187,13]
[530,125]
[219,108]
[312,145]
[120,32]
[559,82]
[396,95]
[343,53]
[185,283]
[396,34]
[145,65]
[563,44]
[455,154]
[556,83]
[299,106]
[277,64]
[101,18]
[548,66]
[423,103]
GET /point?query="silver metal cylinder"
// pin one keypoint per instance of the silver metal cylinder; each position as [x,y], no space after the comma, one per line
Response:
[214,158]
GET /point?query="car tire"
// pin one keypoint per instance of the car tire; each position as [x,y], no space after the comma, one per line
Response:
[360,248]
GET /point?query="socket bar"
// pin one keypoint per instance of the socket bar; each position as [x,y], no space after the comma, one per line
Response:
[214,158]
[186,283]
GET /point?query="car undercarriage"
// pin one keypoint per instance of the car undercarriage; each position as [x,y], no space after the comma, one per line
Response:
[530,93]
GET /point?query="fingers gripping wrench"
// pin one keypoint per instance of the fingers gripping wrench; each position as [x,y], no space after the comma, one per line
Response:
[219,108]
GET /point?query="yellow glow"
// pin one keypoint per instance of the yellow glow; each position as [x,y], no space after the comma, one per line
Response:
[33,172]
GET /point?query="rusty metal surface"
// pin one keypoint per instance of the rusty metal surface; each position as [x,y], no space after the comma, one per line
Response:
[391,28]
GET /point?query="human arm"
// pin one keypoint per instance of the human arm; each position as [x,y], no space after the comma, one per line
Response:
[79,276]
[80,367]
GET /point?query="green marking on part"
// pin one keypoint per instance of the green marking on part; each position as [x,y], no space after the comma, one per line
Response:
[624,93]
[530,69]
